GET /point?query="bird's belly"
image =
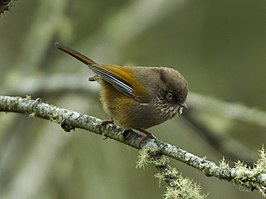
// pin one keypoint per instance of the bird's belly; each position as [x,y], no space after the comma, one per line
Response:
[126,111]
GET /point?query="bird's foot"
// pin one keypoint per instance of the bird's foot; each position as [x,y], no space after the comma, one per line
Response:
[145,138]
[147,133]
[103,124]
[66,126]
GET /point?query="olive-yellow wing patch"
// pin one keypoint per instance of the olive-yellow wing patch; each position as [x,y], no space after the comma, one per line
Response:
[123,79]
[118,76]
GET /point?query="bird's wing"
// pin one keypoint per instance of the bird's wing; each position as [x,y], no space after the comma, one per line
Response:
[118,76]
[121,77]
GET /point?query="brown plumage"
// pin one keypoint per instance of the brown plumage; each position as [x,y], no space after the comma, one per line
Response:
[137,97]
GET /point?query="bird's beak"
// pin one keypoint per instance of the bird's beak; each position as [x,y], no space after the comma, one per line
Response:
[184,105]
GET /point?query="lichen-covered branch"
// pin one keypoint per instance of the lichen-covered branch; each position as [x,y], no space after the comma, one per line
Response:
[177,185]
[57,84]
[251,178]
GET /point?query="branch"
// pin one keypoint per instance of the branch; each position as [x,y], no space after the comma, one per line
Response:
[250,178]
[223,143]
[57,84]
[54,85]
[5,5]
[230,110]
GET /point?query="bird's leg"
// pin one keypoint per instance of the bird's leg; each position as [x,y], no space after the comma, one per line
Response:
[66,126]
[104,123]
[148,134]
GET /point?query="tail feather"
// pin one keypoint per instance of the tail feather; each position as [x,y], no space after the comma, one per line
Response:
[75,54]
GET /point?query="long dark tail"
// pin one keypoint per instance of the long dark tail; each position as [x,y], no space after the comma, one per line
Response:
[75,54]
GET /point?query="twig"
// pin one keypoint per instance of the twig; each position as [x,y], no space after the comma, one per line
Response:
[5,5]
[219,141]
[245,177]
[53,85]
[230,110]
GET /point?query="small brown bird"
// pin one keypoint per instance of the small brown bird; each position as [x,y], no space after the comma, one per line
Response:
[137,97]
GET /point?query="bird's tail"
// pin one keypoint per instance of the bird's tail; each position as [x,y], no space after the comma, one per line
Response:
[75,54]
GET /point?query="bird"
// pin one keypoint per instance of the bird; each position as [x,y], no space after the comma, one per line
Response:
[137,97]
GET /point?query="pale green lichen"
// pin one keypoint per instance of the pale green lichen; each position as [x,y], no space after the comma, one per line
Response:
[28,97]
[223,164]
[55,117]
[32,114]
[160,161]
[182,187]
[241,178]
[187,189]
[162,176]
[146,157]
[247,177]
[261,162]
[143,158]
[260,167]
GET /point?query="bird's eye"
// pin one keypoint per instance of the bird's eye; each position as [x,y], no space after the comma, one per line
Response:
[169,97]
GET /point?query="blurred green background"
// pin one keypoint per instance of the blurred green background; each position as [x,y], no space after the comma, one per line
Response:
[219,46]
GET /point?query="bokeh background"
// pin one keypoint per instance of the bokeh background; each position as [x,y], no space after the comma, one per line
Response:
[219,46]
